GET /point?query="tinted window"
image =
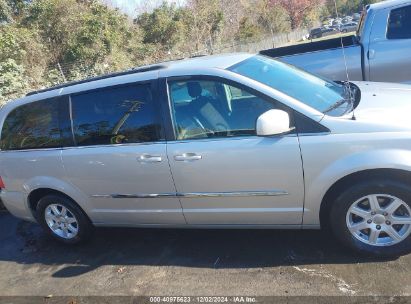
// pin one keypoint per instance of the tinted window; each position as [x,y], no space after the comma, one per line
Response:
[212,109]
[180,94]
[399,24]
[115,115]
[32,126]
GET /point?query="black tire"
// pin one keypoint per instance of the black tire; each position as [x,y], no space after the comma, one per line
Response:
[341,205]
[85,227]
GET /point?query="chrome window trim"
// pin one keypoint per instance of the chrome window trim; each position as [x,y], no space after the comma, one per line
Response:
[237,138]
[85,147]
[156,143]
[31,150]
[72,121]
[116,145]
[314,134]
[195,194]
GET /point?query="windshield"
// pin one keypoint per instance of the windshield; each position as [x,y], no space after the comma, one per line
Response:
[315,92]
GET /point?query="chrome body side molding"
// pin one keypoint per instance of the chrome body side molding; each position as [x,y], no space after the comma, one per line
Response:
[150,195]
[233,194]
[195,194]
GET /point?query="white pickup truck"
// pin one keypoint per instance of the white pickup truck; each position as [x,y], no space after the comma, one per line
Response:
[380,50]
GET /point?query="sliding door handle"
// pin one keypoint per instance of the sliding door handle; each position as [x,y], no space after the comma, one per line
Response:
[147,158]
[187,157]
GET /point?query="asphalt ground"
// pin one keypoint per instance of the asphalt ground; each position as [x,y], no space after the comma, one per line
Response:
[172,262]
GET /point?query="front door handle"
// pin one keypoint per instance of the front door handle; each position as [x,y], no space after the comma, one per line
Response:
[147,158]
[187,157]
[371,54]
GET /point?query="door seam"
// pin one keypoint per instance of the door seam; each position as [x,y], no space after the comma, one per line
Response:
[174,183]
[303,171]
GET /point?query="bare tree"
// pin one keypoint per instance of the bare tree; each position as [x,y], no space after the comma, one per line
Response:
[233,11]
[297,9]
[206,22]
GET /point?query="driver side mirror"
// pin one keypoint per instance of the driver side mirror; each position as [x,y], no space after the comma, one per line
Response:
[273,122]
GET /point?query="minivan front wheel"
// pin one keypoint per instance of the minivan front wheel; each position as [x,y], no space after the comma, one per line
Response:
[374,218]
[63,219]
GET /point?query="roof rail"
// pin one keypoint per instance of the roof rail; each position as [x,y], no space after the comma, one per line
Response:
[197,56]
[142,69]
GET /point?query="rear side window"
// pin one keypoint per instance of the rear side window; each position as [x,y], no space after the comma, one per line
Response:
[399,24]
[116,115]
[32,126]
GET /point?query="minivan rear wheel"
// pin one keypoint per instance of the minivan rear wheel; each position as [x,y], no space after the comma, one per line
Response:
[374,218]
[62,219]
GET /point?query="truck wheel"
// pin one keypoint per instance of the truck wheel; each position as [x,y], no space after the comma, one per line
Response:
[374,218]
[64,220]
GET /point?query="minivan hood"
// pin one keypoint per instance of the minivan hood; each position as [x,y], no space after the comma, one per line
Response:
[384,103]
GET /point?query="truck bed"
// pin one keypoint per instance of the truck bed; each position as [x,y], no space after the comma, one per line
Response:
[309,47]
[326,58]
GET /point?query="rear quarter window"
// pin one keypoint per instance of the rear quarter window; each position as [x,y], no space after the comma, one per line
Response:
[399,23]
[32,126]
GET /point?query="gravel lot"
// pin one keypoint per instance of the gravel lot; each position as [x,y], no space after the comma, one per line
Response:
[191,262]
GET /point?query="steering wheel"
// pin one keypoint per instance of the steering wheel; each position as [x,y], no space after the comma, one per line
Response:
[27,142]
[222,129]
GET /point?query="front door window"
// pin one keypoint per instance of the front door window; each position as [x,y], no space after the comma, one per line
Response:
[212,109]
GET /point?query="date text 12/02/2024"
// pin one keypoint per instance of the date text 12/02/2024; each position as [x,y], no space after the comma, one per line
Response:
[235,299]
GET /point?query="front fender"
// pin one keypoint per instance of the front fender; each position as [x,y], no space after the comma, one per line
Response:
[318,185]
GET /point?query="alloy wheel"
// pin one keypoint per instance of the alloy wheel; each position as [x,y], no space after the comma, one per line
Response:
[379,220]
[61,221]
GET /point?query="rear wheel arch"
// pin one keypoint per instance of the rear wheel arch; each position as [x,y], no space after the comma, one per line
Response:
[339,186]
[62,218]
[36,195]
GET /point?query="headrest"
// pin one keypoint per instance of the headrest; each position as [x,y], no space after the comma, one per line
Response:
[194,89]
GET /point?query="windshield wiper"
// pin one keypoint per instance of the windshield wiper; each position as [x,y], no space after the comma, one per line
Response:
[337,105]
[350,99]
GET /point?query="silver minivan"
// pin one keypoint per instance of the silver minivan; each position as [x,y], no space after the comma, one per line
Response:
[228,141]
[348,27]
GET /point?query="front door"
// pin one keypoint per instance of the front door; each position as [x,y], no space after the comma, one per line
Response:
[224,173]
[120,159]
[390,45]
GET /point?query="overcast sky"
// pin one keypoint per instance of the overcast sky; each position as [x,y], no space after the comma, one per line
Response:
[127,6]
[131,6]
